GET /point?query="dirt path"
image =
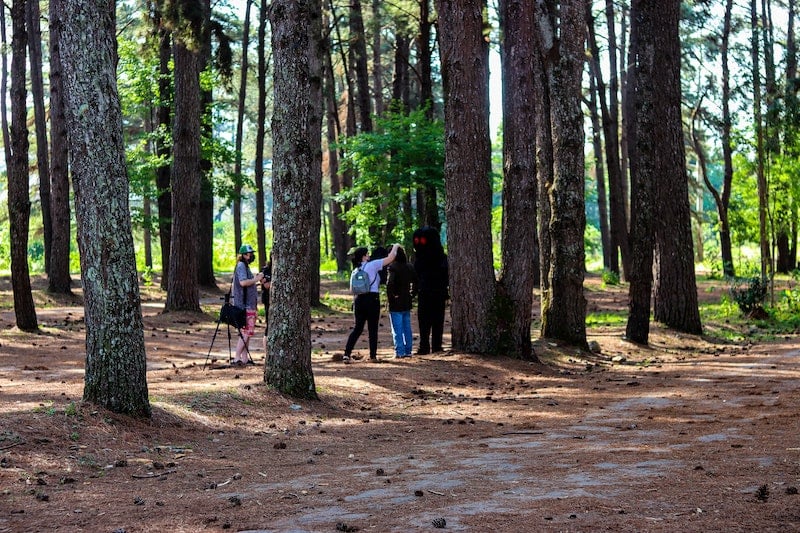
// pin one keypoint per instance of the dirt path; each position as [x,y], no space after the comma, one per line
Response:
[691,434]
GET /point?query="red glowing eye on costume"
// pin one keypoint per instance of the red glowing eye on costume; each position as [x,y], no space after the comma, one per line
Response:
[422,241]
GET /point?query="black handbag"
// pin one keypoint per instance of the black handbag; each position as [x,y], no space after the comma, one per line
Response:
[232,315]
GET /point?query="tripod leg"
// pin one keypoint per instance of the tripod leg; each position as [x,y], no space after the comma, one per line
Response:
[230,357]
[212,345]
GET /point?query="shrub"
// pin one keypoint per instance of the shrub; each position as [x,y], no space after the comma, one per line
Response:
[749,294]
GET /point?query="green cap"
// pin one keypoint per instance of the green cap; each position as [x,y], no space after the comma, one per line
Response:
[246,249]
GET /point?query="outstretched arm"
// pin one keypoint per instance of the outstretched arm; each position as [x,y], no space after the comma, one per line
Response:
[392,254]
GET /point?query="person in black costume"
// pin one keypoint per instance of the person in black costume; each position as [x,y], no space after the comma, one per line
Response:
[431,266]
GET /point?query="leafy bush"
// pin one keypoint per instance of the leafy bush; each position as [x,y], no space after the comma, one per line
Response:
[610,277]
[749,294]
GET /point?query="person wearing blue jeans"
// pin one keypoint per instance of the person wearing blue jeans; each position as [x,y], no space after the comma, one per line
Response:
[400,287]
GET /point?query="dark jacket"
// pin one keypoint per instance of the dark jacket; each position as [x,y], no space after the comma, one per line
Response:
[401,286]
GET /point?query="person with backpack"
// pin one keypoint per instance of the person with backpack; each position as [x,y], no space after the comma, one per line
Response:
[367,305]
[400,290]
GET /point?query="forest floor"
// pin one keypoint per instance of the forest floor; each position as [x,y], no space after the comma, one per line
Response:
[692,433]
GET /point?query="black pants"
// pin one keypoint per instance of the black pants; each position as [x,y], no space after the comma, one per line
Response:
[430,312]
[367,308]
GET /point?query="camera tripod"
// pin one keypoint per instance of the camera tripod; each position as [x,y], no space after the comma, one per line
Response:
[239,331]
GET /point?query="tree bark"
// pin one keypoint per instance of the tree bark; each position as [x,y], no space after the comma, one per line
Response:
[182,288]
[377,66]
[316,51]
[675,286]
[289,338]
[163,150]
[427,201]
[643,138]
[204,230]
[333,130]
[618,200]
[358,66]
[467,171]
[564,307]
[763,193]
[519,183]
[238,178]
[59,280]
[597,95]
[261,127]
[115,351]
[40,121]
[723,200]
[19,203]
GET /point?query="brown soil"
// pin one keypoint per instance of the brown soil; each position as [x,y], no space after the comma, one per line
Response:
[688,434]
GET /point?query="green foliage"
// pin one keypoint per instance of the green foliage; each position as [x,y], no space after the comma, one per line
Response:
[749,294]
[406,152]
[609,277]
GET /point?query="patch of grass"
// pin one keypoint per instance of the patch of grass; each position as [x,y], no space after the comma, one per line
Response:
[47,408]
[338,303]
[613,318]
[88,460]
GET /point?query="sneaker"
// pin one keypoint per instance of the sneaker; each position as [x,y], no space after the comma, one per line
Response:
[374,360]
[250,362]
[346,359]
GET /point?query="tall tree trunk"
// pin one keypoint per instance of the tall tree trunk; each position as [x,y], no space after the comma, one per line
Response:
[763,194]
[358,66]
[238,178]
[597,95]
[723,200]
[164,147]
[427,202]
[19,203]
[182,288]
[792,119]
[316,51]
[289,339]
[333,130]
[40,120]
[59,280]
[675,286]
[400,83]
[564,306]
[204,231]
[261,130]
[115,352]
[377,66]
[519,165]
[616,177]
[467,173]
[4,86]
[544,167]
[644,141]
